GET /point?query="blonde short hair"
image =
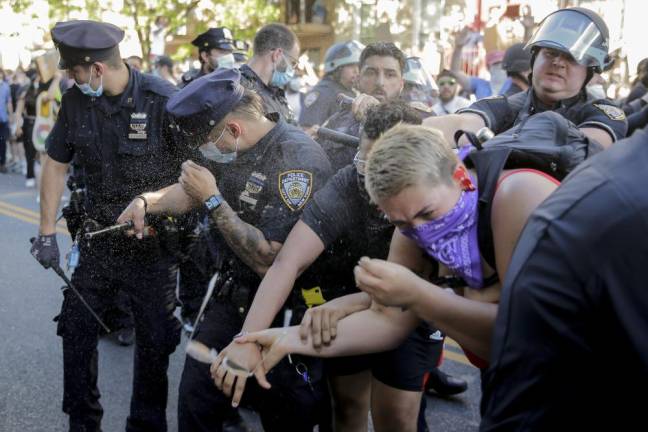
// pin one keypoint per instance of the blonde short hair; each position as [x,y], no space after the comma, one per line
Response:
[406,155]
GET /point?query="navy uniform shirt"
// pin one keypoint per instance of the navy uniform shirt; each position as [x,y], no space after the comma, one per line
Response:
[274,98]
[121,142]
[570,341]
[321,102]
[501,113]
[349,226]
[269,185]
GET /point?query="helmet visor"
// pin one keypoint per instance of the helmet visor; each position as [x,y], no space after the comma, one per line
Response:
[574,33]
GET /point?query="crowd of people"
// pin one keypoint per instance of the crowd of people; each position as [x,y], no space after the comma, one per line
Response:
[322,243]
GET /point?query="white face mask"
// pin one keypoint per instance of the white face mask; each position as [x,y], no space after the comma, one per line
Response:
[597,91]
[210,151]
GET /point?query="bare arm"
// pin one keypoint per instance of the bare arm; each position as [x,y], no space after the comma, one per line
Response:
[245,240]
[170,200]
[301,248]
[598,135]
[451,123]
[455,61]
[53,184]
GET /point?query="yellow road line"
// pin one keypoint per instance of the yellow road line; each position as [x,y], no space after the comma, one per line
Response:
[459,358]
[28,219]
[452,343]
[22,210]
[26,212]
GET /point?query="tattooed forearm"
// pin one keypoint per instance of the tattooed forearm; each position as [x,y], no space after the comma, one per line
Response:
[247,242]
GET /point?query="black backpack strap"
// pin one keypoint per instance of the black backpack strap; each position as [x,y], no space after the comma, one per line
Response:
[488,165]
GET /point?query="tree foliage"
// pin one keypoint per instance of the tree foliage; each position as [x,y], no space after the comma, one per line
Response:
[243,17]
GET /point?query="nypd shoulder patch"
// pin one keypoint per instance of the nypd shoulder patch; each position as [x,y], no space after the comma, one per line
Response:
[295,187]
[311,98]
[611,111]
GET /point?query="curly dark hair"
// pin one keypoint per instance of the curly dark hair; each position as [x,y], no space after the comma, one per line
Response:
[380,118]
[383,49]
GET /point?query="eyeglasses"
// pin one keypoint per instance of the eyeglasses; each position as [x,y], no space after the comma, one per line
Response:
[447,82]
[360,164]
[292,61]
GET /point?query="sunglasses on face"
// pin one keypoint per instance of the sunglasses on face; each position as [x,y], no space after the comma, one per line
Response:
[447,82]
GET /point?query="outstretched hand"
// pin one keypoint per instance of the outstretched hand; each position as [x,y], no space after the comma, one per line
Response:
[388,283]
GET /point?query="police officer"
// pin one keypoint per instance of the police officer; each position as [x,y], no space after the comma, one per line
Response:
[517,64]
[420,88]
[576,288]
[215,50]
[562,66]
[341,72]
[113,122]
[272,66]
[267,172]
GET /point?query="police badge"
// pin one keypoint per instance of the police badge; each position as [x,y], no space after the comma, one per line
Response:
[295,188]
[137,126]
[612,112]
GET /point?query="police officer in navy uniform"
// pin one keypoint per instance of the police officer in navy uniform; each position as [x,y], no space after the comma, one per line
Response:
[266,172]
[272,66]
[341,72]
[574,305]
[562,65]
[113,122]
[215,50]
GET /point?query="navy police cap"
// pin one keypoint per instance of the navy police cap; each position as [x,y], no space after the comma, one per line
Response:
[85,41]
[198,107]
[215,37]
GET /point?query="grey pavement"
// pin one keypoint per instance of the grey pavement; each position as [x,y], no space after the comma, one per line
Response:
[31,360]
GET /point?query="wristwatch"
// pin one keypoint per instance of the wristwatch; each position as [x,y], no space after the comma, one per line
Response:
[213,202]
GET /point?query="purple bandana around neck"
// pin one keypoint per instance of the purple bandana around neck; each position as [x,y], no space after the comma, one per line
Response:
[452,239]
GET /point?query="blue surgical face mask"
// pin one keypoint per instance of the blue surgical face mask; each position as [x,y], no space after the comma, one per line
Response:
[87,90]
[210,151]
[223,62]
[280,79]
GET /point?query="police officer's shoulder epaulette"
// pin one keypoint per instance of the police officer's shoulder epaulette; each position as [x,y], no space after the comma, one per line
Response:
[157,85]
[299,148]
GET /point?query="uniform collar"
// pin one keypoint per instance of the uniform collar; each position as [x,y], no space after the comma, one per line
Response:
[537,106]
[249,72]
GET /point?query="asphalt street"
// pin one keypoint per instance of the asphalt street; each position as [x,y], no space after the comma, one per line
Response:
[31,360]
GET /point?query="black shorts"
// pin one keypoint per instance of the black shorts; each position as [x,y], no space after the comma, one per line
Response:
[403,368]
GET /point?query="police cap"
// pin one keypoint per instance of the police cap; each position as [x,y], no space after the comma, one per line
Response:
[215,37]
[85,42]
[197,108]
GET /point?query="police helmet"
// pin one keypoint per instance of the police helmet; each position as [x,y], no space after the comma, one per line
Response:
[517,59]
[416,74]
[342,54]
[576,31]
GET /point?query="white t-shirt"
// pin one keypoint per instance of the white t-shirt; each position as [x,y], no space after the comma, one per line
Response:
[451,107]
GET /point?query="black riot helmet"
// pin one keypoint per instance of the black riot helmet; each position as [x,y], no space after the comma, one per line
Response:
[517,59]
[578,32]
